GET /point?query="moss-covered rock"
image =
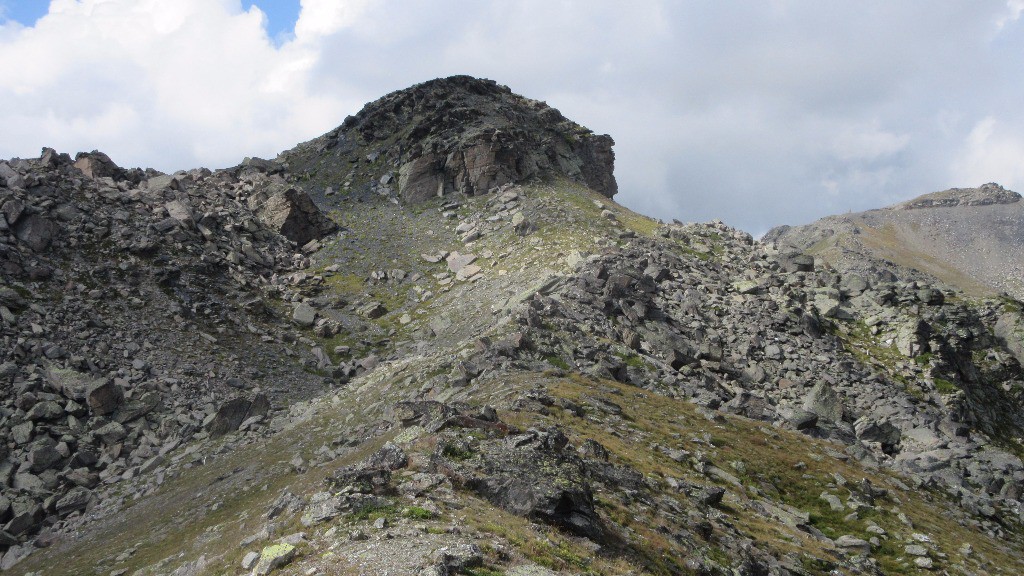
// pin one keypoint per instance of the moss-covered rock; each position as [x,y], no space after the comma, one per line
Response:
[273,557]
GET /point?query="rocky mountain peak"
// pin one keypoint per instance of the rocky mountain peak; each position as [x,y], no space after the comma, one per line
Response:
[983,195]
[457,134]
[532,381]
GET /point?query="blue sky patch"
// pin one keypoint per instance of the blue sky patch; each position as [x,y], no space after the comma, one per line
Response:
[281,17]
[24,12]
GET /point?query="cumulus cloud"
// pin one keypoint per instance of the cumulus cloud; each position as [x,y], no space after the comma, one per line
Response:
[756,113]
[992,152]
[152,82]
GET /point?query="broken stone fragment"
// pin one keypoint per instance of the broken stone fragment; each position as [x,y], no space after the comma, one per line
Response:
[304,315]
[232,413]
[96,164]
[104,397]
[290,212]
[36,232]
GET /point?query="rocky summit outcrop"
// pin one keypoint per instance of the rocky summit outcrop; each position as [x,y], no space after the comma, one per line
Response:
[984,195]
[214,372]
[970,238]
[454,135]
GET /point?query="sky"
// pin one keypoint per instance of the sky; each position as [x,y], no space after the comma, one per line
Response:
[758,113]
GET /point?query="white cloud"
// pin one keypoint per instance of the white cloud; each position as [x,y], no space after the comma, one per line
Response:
[867,143]
[1014,8]
[325,17]
[152,82]
[992,153]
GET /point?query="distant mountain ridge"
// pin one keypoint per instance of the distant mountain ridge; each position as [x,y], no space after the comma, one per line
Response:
[970,238]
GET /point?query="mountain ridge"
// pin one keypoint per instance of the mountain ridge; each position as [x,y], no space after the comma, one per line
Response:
[964,237]
[203,374]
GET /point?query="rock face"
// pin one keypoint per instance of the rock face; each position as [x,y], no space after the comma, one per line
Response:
[458,135]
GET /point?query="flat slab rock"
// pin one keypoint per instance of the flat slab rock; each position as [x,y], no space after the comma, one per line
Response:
[456,261]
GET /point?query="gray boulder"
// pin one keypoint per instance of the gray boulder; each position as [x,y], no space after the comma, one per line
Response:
[43,455]
[232,413]
[290,212]
[103,398]
[304,315]
[96,164]
[76,500]
[823,401]
[36,232]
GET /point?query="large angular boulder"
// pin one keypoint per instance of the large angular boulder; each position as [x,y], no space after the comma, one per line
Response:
[43,455]
[290,212]
[823,401]
[35,231]
[104,397]
[421,178]
[1010,331]
[234,412]
[96,164]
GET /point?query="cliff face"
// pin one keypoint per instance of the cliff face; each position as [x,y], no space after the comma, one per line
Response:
[454,135]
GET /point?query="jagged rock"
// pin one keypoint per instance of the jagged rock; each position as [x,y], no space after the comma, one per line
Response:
[372,310]
[885,433]
[362,480]
[389,457]
[456,262]
[181,212]
[12,210]
[304,315]
[70,383]
[803,419]
[47,410]
[823,401]
[458,558]
[249,560]
[854,544]
[231,414]
[912,338]
[104,397]
[43,454]
[137,408]
[111,433]
[274,557]
[25,521]
[984,195]
[711,496]
[96,164]
[76,500]
[290,212]
[35,231]
[1010,330]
